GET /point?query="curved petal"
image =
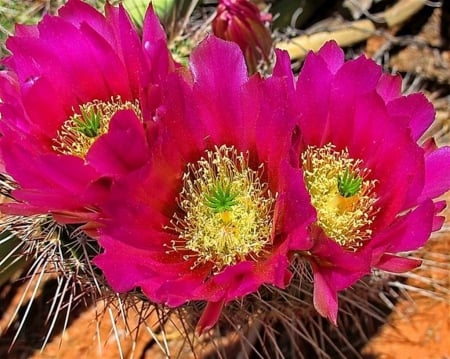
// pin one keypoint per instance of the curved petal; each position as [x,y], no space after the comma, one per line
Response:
[282,66]
[41,101]
[333,55]
[409,232]
[396,264]
[371,143]
[53,182]
[155,46]
[294,211]
[129,46]
[313,98]
[218,82]
[389,87]
[122,149]
[324,297]
[79,13]
[437,180]
[126,267]
[75,61]
[178,99]
[210,316]
[415,111]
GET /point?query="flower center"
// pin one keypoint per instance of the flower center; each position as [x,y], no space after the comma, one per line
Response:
[341,193]
[227,211]
[79,132]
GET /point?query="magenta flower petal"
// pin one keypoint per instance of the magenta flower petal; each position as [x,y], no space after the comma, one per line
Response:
[246,277]
[123,149]
[35,102]
[216,78]
[438,220]
[315,76]
[213,309]
[437,180]
[412,230]
[136,263]
[271,140]
[34,164]
[210,316]
[389,87]
[369,144]
[332,55]
[334,270]
[350,84]
[296,226]
[78,12]
[282,66]
[49,182]
[76,61]
[26,30]
[415,111]
[396,264]
[324,297]
[155,45]
[177,102]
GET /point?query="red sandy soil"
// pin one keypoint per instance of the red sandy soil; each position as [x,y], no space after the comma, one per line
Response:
[420,327]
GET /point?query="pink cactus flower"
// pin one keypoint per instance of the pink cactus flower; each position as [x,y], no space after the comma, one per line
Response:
[242,22]
[75,94]
[209,218]
[372,178]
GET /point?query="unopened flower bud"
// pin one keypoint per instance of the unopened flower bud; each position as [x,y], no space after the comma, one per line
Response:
[242,22]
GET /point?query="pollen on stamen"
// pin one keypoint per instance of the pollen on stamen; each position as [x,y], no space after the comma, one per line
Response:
[226,211]
[89,121]
[343,196]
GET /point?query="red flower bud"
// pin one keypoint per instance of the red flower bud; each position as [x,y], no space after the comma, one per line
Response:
[242,22]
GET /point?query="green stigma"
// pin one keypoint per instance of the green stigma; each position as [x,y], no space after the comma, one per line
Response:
[88,122]
[221,199]
[343,196]
[349,184]
[226,211]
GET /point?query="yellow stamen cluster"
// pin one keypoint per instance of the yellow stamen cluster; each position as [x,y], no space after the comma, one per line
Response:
[227,213]
[89,122]
[344,216]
